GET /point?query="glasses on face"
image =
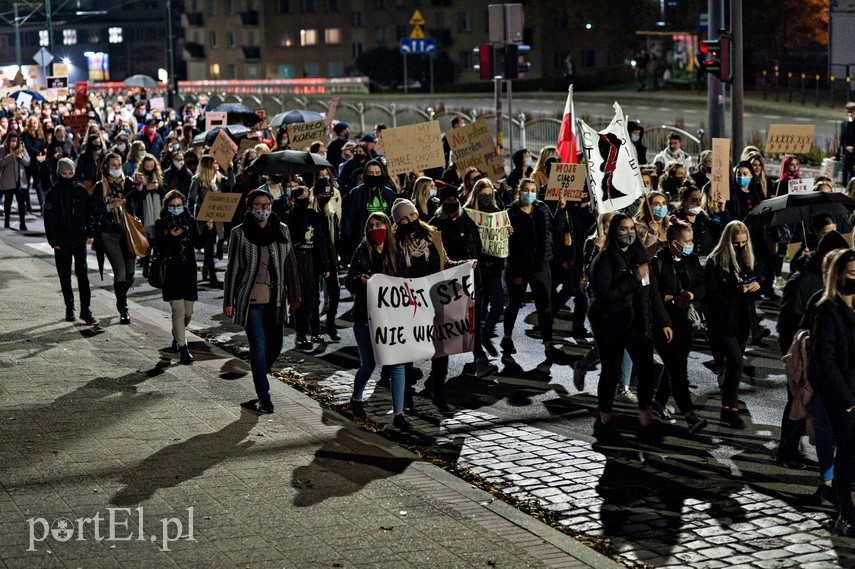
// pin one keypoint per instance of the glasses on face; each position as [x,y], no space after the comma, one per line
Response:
[376,225]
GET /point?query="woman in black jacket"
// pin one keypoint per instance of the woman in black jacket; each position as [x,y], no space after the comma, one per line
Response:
[730,280]
[176,235]
[681,285]
[832,369]
[529,255]
[625,307]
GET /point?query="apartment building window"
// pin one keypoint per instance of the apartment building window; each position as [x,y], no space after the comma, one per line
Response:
[212,39]
[464,59]
[332,36]
[332,6]
[308,37]
[307,5]
[230,9]
[230,39]
[69,37]
[252,72]
[286,71]
[283,6]
[311,70]
[212,7]
[356,50]
[215,71]
[463,21]
[380,4]
[287,40]
[231,71]
[356,19]
[335,69]
[380,34]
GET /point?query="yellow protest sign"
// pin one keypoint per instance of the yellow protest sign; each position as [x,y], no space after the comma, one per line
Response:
[223,150]
[413,147]
[301,135]
[565,181]
[473,145]
[789,138]
[218,206]
[720,175]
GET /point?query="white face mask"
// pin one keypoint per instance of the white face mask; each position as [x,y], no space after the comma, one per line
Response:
[528,162]
[695,210]
[121,147]
[178,163]
[116,173]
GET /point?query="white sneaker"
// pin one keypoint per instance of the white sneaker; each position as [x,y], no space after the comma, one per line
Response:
[779,283]
[626,396]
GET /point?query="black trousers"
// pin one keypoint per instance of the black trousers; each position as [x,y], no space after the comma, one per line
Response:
[791,432]
[333,296]
[675,377]
[63,257]
[541,288]
[306,316]
[843,427]
[730,349]
[8,197]
[611,347]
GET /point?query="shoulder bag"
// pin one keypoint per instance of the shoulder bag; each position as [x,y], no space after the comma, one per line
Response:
[135,235]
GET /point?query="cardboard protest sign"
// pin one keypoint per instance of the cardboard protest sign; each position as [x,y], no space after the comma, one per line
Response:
[413,147]
[223,150]
[494,231]
[419,319]
[800,186]
[215,118]
[473,145]
[77,123]
[81,95]
[25,100]
[157,103]
[720,174]
[789,138]
[302,134]
[246,144]
[793,248]
[565,181]
[218,206]
[60,69]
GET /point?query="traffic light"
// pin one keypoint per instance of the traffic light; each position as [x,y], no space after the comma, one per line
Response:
[512,65]
[715,56]
[486,61]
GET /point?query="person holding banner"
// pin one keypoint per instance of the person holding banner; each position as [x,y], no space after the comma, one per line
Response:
[625,312]
[529,255]
[260,285]
[377,253]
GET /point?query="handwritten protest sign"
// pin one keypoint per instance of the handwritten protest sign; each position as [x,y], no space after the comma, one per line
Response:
[77,123]
[567,181]
[81,95]
[24,100]
[218,206]
[215,118]
[720,174]
[419,319]
[157,103]
[262,125]
[413,147]
[789,138]
[494,231]
[246,144]
[302,134]
[223,150]
[473,145]
[800,186]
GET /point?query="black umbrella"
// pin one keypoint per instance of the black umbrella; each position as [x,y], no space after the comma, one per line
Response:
[140,80]
[800,208]
[238,114]
[34,94]
[288,162]
[235,131]
[294,116]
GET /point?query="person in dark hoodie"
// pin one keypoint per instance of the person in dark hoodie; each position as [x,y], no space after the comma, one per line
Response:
[805,282]
[374,194]
[68,229]
[521,161]
[636,135]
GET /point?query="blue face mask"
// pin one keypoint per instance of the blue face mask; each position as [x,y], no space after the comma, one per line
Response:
[634,137]
[743,181]
[431,193]
[529,197]
[660,211]
[687,249]
[176,210]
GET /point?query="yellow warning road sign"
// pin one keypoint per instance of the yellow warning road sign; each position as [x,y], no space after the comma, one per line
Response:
[418,33]
[417,19]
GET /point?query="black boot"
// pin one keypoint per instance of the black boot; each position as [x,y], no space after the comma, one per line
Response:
[186,356]
[121,290]
[145,264]
[69,313]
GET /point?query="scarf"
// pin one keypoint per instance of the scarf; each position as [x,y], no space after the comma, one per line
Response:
[263,236]
[151,208]
[416,245]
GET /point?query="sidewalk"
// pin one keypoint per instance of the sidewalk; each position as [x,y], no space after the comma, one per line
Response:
[101,422]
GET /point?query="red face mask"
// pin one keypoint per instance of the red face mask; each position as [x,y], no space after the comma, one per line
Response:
[377,236]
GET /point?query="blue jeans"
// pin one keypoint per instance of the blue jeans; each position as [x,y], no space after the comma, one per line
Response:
[367,365]
[265,344]
[492,302]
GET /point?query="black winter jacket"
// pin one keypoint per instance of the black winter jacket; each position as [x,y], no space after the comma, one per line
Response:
[178,254]
[800,287]
[832,354]
[360,265]
[674,276]
[727,310]
[530,245]
[460,236]
[67,214]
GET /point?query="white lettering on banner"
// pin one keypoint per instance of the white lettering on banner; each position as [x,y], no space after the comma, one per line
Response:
[493,229]
[428,317]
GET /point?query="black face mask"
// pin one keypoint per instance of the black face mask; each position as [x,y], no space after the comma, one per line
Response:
[848,286]
[485,201]
[359,158]
[301,203]
[324,200]
[372,181]
[407,228]
[450,207]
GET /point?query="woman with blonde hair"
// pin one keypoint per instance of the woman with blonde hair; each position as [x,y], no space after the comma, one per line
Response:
[730,280]
[207,179]
[424,198]
[148,173]
[758,170]
[539,174]
[652,221]
[134,157]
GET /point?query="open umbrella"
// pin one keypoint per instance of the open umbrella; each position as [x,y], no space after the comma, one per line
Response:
[235,131]
[34,94]
[238,114]
[288,162]
[294,116]
[140,80]
[800,208]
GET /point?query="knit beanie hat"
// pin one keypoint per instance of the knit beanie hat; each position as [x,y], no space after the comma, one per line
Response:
[401,208]
[64,165]
[447,191]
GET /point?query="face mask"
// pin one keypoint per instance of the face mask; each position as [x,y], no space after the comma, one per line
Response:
[529,197]
[634,137]
[431,194]
[848,286]
[739,247]
[450,208]
[743,181]
[176,210]
[686,250]
[377,236]
[261,214]
[178,163]
[708,169]
[406,228]
[528,162]
[121,147]
[116,173]
[695,210]
[302,203]
[141,154]
[660,211]
[372,181]
[485,201]
[324,200]
[626,240]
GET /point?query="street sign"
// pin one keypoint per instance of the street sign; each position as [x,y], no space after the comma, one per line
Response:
[703,22]
[43,57]
[412,46]
[417,21]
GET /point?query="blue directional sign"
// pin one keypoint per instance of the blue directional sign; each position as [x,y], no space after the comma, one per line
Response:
[415,46]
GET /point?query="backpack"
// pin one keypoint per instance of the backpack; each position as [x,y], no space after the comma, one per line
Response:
[796,362]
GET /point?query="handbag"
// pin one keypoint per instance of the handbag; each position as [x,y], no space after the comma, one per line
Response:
[156,270]
[695,321]
[135,235]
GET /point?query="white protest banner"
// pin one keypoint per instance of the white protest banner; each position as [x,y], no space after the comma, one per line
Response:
[614,176]
[720,174]
[301,135]
[565,181]
[24,100]
[800,186]
[473,145]
[493,229]
[789,138]
[223,150]
[419,319]
[413,147]
[215,118]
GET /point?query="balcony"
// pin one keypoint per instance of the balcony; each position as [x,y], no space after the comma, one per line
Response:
[193,20]
[251,53]
[249,18]
[194,51]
